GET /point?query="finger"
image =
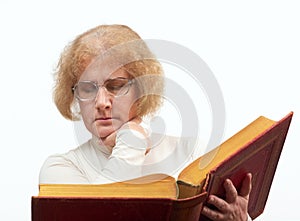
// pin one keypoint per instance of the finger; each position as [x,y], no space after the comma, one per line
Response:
[246,186]
[219,203]
[211,214]
[109,141]
[231,192]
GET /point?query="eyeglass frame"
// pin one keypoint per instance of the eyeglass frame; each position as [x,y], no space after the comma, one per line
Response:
[129,83]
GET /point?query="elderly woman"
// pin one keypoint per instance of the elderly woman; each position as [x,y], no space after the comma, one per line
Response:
[110,79]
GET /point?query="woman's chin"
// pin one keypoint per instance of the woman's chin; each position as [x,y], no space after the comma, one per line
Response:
[103,133]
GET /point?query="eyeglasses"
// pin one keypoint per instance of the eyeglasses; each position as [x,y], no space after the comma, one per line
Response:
[88,90]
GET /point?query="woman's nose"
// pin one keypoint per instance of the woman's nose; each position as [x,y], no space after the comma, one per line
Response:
[103,99]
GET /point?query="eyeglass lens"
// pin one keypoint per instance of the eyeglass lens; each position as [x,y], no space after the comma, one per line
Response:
[88,90]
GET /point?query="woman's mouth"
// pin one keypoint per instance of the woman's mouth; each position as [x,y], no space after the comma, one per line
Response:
[104,120]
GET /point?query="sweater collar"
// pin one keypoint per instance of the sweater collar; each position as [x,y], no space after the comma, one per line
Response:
[97,144]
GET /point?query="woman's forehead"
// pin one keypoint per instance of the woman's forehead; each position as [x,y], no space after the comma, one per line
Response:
[99,75]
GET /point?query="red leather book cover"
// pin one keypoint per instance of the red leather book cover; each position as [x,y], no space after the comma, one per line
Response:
[259,157]
[115,209]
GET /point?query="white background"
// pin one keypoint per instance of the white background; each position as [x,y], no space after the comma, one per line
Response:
[252,47]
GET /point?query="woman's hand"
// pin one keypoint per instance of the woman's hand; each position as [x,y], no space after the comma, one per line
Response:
[110,141]
[234,207]
[133,124]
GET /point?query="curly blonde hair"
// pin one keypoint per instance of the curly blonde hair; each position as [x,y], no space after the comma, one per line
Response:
[79,54]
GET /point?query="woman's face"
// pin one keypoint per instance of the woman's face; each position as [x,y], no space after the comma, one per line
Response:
[106,113]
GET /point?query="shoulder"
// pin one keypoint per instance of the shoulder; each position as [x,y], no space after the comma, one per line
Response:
[169,154]
[57,164]
[192,145]
[60,159]
[68,157]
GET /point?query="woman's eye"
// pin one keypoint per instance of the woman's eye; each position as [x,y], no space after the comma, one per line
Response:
[87,89]
[115,85]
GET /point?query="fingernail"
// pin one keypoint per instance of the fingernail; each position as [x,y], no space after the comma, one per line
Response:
[228,181]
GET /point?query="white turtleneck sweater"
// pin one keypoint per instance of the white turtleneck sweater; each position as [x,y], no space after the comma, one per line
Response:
[94,163]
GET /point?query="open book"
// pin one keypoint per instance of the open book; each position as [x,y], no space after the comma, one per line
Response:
[255,149]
